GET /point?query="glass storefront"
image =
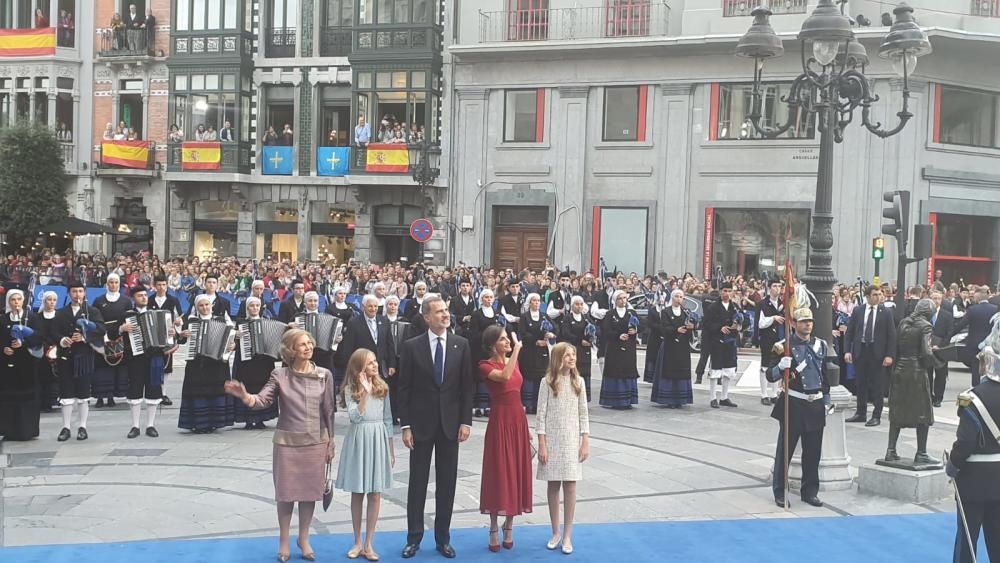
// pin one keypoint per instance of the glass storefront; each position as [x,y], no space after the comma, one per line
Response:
[756,242]
[620,228]
[215,228]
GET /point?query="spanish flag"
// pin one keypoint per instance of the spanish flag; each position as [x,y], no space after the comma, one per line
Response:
[27,42]
[127,154]
[387,158]
[201,156]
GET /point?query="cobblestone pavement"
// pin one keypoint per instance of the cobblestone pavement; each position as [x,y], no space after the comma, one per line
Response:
[646,464]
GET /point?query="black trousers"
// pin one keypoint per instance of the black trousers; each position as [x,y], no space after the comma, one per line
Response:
[706,354]
[973,366]
[979,514]
[445,476]
[393,390]
[938,379]
[870,377]
[812,447]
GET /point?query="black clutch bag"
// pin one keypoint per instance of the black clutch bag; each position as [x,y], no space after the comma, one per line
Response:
[328,491]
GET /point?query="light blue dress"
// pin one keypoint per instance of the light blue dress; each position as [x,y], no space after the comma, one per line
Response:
[365,462]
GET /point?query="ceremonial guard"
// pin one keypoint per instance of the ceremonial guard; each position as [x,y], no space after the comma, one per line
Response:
[619,333]
[19,405]
[577,330]
[809,382]
[461,308]
[400,330]
[974,462]
[111,374]
[161,300]
[145,370]
[205,406]
[483,317]
[672,371]
[343,311]
[770,331]
[534,330]
[721,328]
[254,373]
[78,328]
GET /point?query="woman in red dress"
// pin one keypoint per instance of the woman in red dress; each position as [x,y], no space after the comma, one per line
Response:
[506,485]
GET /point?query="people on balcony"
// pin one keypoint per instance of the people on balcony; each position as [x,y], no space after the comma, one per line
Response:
[333,139]
[132,135]
[175,135]
[270,137]
[133,24]
[67,29]
[362,132]
[120,134]
[109,132]
[210,134]
[63,134]
[40,20]
[117,32]
[287,137]
[200,132]
[226,133]
[149,26]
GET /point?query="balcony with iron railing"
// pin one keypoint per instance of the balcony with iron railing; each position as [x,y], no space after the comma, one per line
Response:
[986,8]
[736,8]
[612,21]
[68,152]
[279,42]
[232,157]
[335,42]
[125,44]
[127,158]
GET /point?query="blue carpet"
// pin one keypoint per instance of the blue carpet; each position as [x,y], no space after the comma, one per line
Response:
[856,539]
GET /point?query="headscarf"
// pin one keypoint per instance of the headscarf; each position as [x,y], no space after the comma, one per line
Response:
[12,293]
[46,295]
[250,301]
[202,298]
[483,293]
[989,357]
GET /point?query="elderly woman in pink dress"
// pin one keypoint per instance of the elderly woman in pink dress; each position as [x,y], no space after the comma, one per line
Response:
[303,441]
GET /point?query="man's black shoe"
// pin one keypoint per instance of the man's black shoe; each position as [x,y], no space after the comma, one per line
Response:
[446,550]
[63,435]
[813,501]
[875,421]
[727,403]
[937,404]
[111,402]
[166,401]
[765,401]
[133,433]
[410,550]
[99,404]
[714,404]
[152,433]
[779,501]
[857,418]
[81,434]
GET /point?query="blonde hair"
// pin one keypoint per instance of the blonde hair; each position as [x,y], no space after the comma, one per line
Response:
[555,364]
[352,381]
[288,341]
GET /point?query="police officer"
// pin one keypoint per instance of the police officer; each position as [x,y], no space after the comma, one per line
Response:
[809,382]
[975,456]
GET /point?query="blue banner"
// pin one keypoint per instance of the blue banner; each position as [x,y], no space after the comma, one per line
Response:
[333,161]
[277,161]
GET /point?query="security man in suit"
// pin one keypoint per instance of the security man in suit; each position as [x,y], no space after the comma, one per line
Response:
[977,320]
[294,305]
[870,344]
[974,463]
[943,324]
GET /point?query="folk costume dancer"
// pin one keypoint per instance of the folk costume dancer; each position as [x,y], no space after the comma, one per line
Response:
[163,301]
[672,372]
[619,331]
[343,311]
[462,306]
[205,406]
[534,358]
[578,330]
[78,328]
[254,373]
[722,329]
[111,374]
[48,383]
[483,317]
[145,371]
[770,331]
[19,337]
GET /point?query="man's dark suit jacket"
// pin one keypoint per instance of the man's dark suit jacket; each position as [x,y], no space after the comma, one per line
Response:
[977,320]
[423,405]
[357,335]
[884,339]
[944,326]
[287,310]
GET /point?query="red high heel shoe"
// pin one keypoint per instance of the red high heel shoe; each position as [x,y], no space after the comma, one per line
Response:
[494,547]
[508,544]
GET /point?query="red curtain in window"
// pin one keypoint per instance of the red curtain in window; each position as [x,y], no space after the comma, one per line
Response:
[626,18]
[527,20]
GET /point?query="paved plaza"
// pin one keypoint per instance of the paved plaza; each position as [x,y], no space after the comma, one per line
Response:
[647,464]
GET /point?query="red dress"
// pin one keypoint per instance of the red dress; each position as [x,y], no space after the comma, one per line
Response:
[506,484]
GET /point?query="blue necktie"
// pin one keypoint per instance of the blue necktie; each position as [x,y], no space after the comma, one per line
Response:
[439,362]
[934,320]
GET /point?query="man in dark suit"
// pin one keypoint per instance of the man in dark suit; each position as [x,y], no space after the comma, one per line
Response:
[295,304]
[435,411]
[369,330]
[977,320]
[943,324]
[870,345]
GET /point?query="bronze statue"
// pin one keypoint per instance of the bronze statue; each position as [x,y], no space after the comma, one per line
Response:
[909,389]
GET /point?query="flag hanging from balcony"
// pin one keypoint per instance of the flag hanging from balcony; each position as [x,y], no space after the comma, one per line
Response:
[201,156]
[333,161]
[27,42]
[277,161]
[387,158]
[127,154]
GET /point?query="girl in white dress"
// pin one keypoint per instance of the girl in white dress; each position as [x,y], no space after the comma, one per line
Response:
[563,427]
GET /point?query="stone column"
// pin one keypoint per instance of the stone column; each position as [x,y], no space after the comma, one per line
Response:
[673,122]
[304,45]
[468,171]
[80,140]
[835,463]
[145,112]
[50,95]
[363,231]
[303,242]
[304,128]
[181,222]
[245,231]
[297,112]
[31,100]
[569,126]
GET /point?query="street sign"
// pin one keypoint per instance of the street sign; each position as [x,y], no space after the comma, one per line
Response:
[421,230]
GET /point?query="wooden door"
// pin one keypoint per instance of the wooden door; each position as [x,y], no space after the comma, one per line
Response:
[520,247]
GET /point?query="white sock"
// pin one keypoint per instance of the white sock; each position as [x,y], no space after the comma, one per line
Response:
[151,414]
[136,409]
[725,388]
[713,385]
[763,384]
[84,412]
[67,414]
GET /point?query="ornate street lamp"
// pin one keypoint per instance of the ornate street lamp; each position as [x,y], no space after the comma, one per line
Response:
[831,87]
[426,170]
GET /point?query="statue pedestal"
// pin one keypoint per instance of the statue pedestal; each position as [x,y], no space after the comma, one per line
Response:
[835,463]
[903,484]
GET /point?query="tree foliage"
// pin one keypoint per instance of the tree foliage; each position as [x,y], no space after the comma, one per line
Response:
[32,181]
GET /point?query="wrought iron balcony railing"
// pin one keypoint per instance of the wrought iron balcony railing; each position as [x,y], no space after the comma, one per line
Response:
[335,42]
[731,8]
[123,42]
[985,8]
[615,20]
[279,42]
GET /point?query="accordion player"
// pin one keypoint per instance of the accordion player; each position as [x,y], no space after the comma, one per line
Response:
[204,404]
[150,338]
[261,337]
[325,329]
[260,346]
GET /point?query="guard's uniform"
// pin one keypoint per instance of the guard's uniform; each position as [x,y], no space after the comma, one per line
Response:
[808,383]
[975,464]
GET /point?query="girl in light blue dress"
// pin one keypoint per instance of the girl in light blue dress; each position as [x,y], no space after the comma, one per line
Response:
[367,456]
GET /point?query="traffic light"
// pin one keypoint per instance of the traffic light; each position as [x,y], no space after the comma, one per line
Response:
[878,248]
[898,213]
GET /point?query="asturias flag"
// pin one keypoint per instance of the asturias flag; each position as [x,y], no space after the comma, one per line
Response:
[388,158]
[127,154]
[27,42]
[333,161]
[277,161]
[197,155]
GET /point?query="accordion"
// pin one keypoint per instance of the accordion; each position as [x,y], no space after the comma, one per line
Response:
[211,339]
[399,331]
[325,329]
[261,337]
[150,329]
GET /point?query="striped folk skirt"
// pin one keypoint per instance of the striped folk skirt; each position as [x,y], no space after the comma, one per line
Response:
[619,393]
